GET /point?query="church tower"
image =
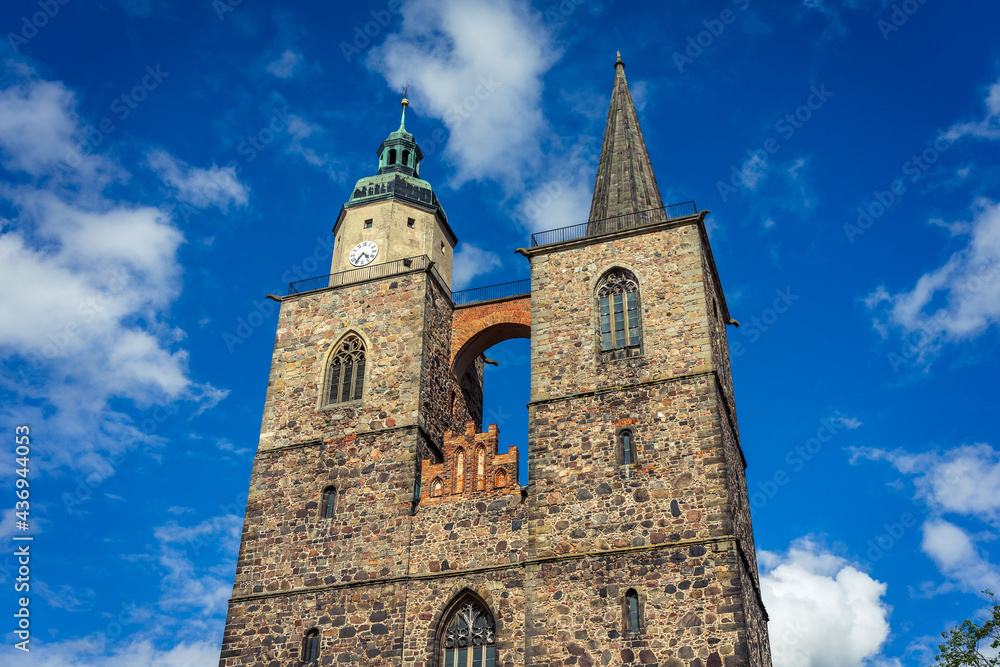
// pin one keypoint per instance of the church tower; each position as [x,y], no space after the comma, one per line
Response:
[383,524]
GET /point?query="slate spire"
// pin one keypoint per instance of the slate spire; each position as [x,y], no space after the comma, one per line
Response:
[625,181]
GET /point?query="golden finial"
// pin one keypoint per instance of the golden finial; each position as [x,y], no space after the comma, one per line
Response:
[405,103]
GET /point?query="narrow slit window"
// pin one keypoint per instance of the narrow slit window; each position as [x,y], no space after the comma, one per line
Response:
[310,647]
[628,455]
[632,611]
[329,502]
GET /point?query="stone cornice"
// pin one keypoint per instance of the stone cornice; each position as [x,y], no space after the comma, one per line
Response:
[528,562]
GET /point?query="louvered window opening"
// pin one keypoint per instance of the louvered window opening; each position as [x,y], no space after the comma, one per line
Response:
[347,371]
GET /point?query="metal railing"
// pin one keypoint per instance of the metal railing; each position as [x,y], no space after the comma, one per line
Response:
[374,272]
[490,292]
[618,222]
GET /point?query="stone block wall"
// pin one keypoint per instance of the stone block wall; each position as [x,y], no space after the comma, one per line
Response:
[564,338]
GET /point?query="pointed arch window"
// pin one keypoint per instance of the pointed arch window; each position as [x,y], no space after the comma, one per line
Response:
[501,479]
[310,647]
[470,637]
[347,371]
[329,505]
[437,488]
[618,310]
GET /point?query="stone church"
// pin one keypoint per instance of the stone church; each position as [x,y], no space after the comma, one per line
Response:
[383,526]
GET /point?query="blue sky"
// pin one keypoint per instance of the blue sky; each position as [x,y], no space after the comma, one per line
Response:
[166,164]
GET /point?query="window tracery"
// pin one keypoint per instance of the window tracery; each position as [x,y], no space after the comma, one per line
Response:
[347,371]
[619,324]
[470,638]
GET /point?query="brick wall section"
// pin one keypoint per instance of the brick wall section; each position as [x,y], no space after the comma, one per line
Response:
[499,476]
[472,324]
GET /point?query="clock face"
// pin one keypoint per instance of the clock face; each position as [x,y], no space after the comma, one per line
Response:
[363,253]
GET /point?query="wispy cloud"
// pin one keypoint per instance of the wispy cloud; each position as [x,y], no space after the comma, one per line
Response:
[202,188]
[956,301]
[986,128]
[471,261]
[286,65]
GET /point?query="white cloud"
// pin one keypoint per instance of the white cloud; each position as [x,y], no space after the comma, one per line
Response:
[41,134]
[89,653]
[471,261]
[964,480]
[824,611]
[485,85]
[988,127]
[94,325]
[957,301]
[286,64]
[216,186]
[958,558]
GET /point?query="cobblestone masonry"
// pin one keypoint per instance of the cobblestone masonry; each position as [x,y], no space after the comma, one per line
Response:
[552,560]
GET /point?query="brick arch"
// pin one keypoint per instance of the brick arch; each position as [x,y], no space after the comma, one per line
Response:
[479,327]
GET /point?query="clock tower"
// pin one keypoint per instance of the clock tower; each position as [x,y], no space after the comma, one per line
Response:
[393,215]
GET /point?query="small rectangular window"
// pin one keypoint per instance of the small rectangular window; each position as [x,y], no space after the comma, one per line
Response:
[410,222]
[442,246]
[368,223]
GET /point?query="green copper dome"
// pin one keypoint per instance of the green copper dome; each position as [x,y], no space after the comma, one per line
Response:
[398,175]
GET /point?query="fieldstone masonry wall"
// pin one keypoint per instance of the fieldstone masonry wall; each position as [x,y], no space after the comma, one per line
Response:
[552,561]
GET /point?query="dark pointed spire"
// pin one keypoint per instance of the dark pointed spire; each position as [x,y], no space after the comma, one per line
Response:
[625,181]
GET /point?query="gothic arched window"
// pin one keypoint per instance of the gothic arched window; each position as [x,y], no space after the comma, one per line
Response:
[626,447]
[437,487]
[501,479]
[329,502]
[347,371]
[310,647]
[618,308]
[632,623]
[470,637]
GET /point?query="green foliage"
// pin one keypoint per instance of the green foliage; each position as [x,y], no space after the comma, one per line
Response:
[964,645]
